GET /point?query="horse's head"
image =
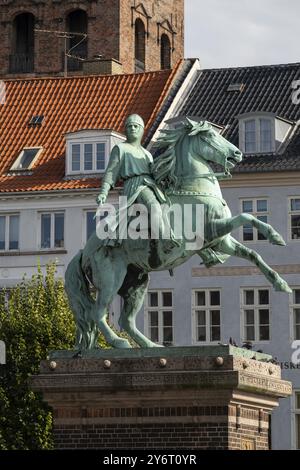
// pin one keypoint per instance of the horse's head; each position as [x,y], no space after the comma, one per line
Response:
[200,141]
[212,146]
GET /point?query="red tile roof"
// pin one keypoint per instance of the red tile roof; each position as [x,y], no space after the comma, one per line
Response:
[70,104]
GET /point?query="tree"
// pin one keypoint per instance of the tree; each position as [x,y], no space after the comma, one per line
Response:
[34,320]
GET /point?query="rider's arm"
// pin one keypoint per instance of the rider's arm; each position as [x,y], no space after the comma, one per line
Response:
[111,176]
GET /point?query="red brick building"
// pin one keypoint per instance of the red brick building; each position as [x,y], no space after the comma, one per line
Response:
[139,36]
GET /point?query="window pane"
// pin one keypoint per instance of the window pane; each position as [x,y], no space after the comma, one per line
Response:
[249,297]
[201,333]
[249,317]
[46,231]
[295,204]
[215,297]
[153,299]
[297,315]
[13,232]
[76,157]
[264,333]
[265,135]
[261,205]
[296,323]
[88,157]
[264,317]
[263,297]
[295,226]
[153,318]
[100,156]
[27,158]
[200,298]
[2,232]
[168,336]
[263,218]
[247,233]
[154,334]
[298,430]
[297,332]
[249,333]
[247,206]
[215,317]
[298,401]
[167,299]
[201,321]
[90,223]
[167,318]
[215,333]
[297,296]
[250,137]
[59,230]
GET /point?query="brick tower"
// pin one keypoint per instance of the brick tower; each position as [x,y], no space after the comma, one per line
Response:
[137,36]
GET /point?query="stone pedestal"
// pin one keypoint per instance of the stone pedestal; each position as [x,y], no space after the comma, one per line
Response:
[163,398]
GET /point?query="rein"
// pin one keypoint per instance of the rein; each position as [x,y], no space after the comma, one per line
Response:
[223,175]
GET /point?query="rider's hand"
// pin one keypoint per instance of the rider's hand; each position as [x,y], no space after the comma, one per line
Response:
[101,198]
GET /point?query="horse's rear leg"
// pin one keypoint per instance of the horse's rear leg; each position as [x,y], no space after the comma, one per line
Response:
[133,292]
[221,227]
[232,247]
[111,272]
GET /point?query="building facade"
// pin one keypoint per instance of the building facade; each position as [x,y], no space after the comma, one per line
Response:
[257,109]
[137,36]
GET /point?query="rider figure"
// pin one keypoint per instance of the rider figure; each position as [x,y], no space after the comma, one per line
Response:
[130,162]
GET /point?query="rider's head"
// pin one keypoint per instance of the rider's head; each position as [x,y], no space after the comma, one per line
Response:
[134,128]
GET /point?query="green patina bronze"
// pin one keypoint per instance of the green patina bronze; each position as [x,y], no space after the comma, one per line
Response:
[181,175]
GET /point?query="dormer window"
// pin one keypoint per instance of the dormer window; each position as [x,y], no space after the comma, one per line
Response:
[262,132]
[88,150]
[26,159]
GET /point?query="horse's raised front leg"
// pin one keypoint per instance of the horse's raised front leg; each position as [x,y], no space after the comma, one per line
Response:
[110,273]
[232,247]
[133,293]
[221,227]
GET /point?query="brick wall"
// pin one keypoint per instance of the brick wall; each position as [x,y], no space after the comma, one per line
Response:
[110,31]
[193,427]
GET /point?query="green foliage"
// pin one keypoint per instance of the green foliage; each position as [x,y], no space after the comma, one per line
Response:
[36,319]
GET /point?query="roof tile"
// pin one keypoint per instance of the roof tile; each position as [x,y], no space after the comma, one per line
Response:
[70,104]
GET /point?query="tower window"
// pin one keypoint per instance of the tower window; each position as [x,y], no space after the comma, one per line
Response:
[140,46]
[165,52]
[77,22]
[22,58]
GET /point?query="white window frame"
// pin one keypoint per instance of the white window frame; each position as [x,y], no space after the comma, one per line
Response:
[295,412]
[6,237]
[256,307]
[293,306]
[256,117]
[290,213]
[14,167]
[255,213]
[207,307]
[52,230]
[89,136]
[160,308]
[94,160]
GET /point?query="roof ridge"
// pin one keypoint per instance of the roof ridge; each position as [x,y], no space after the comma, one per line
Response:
[44,78]
[264,66]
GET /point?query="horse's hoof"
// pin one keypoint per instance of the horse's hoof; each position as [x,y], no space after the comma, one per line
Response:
[277,239]
[282,286]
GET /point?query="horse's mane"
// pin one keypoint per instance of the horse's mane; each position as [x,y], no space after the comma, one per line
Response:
[163,167]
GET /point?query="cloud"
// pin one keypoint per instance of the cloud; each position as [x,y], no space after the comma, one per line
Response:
[224,33]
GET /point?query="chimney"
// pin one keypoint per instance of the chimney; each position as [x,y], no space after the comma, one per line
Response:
[102,67]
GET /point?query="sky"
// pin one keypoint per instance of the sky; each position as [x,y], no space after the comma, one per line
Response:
[230,33]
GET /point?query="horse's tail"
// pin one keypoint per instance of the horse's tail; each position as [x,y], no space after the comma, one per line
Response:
[81,303]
